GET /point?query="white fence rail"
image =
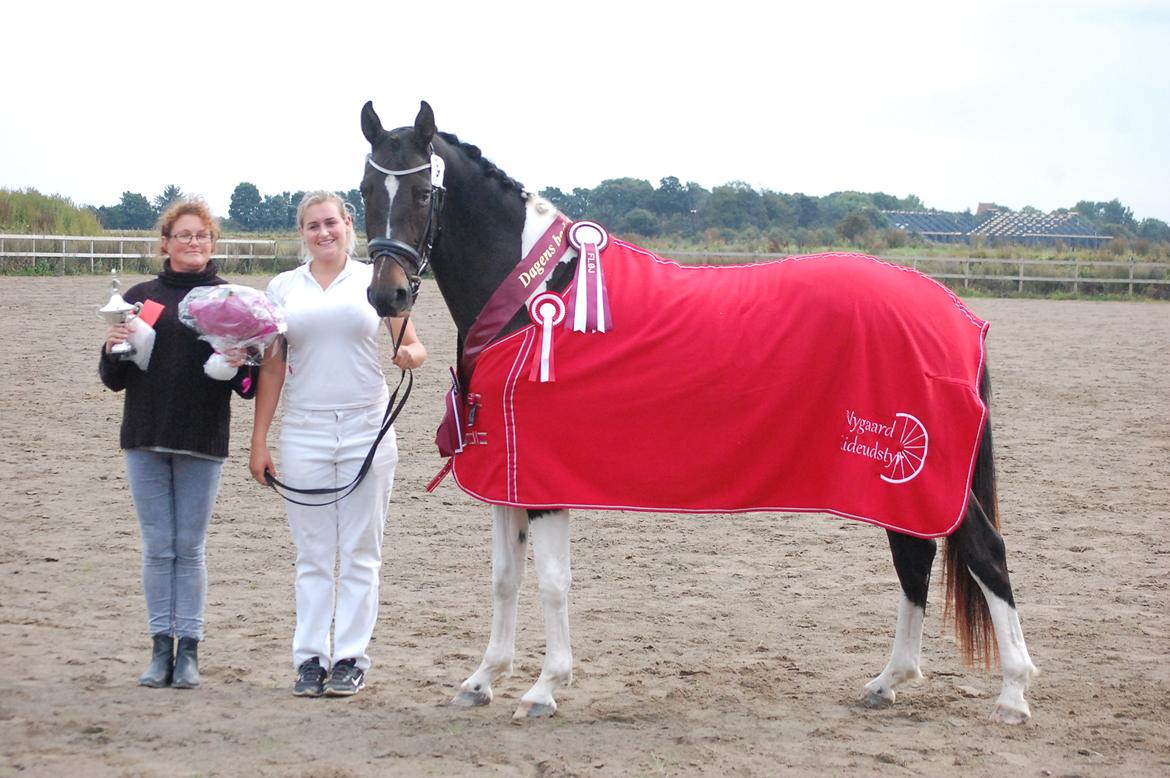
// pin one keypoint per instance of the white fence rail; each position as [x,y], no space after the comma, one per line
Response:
[1075,275]
[19,252]
[72,254]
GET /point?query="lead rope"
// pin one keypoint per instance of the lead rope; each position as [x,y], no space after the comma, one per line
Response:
[387,422]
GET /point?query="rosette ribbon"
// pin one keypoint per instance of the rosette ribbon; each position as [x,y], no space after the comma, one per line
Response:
[588,306]
[546,310]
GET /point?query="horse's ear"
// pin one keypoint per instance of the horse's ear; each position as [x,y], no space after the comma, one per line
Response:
[424,125]
[371,124]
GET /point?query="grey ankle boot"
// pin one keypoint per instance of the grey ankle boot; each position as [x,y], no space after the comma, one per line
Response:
[186,664]
[162,663]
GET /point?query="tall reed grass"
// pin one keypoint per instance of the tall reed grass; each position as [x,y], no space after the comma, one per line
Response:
[27,211]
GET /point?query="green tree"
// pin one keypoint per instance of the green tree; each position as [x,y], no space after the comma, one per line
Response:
[639,221]
[780,208]
[833,208]
[1112,212]
[854,226]
[134,212]
[670,198]
[170,194]
[574,205]
[735,206]
[807,213]
[615,197]
[276,213]
[1154,229]
[244,208]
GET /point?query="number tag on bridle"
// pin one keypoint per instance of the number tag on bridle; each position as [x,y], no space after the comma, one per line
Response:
[437,170]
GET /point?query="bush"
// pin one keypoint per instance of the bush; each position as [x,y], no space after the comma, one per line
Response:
[27,211]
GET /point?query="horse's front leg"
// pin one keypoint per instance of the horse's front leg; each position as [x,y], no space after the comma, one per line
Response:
[550,550]
[509,554]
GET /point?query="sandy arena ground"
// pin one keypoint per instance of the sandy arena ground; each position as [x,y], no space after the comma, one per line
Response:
[703,645]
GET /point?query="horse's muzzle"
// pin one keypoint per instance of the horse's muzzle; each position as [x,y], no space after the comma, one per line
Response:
[390,301]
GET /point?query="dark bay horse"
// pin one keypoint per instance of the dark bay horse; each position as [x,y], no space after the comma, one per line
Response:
[431,198]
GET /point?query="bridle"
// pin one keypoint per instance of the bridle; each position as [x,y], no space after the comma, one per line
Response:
[403,254]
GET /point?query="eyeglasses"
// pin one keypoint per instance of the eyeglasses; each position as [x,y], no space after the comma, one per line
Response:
[187,237]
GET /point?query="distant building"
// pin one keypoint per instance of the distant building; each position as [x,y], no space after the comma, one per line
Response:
[999,225]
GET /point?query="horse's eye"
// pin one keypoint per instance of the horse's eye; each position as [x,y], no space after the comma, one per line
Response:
[422,196]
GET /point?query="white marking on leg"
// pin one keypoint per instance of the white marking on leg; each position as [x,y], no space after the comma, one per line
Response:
[1018,670]
[905,655]
[550,553]
[509,556]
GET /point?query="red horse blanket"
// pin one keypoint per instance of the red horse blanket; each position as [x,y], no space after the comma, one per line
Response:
[834,383]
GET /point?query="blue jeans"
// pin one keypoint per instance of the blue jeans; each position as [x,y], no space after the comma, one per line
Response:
[173,496]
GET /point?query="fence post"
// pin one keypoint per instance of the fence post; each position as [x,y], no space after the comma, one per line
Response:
[966,274]
[1021,287]
[1131,275]
[1076,275]
[91,255]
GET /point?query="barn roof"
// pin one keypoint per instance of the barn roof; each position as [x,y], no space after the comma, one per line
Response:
[1027,226]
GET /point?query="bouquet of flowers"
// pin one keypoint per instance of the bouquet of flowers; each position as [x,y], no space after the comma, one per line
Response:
[231,317]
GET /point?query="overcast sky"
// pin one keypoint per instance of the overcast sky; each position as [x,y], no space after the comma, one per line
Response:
[1022,103]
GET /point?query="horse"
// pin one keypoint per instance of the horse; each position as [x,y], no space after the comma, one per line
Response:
[434,200]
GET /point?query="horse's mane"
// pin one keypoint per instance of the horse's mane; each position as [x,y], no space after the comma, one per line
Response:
[489,168]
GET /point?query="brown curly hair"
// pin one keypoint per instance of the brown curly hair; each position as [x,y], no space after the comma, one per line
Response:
[194,206]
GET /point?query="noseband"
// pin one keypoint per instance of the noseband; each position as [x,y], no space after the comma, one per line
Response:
[418,257]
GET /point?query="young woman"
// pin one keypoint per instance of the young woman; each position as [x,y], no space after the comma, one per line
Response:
[175,437]
[327,368]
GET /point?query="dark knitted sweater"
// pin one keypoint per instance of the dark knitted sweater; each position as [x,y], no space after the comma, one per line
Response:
[173,404]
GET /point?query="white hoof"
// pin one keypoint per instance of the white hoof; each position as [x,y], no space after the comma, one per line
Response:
[1005,715]
[878,697]
[472,698]
[535,710]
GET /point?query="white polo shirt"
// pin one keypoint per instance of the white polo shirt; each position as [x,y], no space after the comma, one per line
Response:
[332,336]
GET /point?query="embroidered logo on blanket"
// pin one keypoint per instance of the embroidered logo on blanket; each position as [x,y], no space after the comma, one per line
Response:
[900,445]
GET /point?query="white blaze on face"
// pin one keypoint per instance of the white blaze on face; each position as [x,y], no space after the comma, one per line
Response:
[391,191]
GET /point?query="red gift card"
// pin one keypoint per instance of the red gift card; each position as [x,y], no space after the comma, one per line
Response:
[150,311]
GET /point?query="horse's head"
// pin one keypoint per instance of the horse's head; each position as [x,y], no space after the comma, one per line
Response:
[402,189]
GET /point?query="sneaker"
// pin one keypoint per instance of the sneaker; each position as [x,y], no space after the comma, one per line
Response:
[310,679]
[345,679]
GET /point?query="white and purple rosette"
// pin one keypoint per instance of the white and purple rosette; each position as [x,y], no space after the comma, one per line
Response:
[588,304]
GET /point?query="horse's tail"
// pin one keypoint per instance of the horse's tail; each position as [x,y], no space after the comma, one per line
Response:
[965,601]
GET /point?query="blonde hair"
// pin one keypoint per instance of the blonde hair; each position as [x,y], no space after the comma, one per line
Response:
[194,206]
[317,197]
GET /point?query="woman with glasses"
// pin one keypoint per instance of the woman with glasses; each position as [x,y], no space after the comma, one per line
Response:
[327,372]
[175,438]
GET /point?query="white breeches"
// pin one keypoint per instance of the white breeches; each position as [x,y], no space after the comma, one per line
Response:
[339,546]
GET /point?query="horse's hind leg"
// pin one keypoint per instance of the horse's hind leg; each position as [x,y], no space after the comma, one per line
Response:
[550,553]
[981,550]
[913,558]
[509,554]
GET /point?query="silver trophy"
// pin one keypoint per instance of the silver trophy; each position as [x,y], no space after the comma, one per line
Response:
[118,311]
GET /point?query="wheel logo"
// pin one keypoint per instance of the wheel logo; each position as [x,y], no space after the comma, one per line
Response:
[910,457]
